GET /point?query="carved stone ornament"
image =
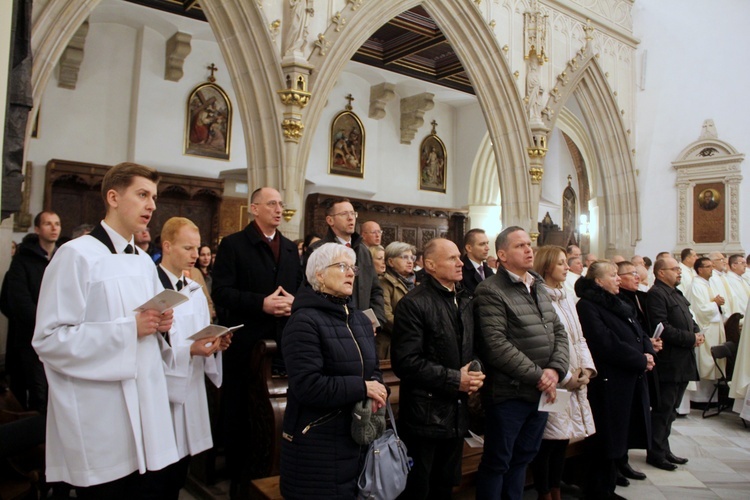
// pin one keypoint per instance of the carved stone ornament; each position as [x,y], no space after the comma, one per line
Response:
[178,48]
[293,129]
[413,109]
[380,95]
[708,184]
[536,174]
[72,57]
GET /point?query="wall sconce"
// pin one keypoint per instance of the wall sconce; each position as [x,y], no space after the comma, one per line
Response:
[583,228]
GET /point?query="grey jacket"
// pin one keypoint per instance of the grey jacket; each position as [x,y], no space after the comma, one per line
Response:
[518,335]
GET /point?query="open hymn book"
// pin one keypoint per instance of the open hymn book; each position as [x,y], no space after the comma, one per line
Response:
[212,331]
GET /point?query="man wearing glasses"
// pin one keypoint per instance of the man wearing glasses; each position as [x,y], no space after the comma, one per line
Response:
[341,219]
[675,365]
[371,233]
[720,284]
[256,274]
[706,304]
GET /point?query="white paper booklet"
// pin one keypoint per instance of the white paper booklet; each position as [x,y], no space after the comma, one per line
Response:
[212,331]
[168,299]
[561,402]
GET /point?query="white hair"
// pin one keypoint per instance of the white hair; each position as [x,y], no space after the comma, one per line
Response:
[324,256]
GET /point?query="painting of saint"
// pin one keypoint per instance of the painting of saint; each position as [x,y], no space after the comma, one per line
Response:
[347,156]
[432,164]
[208,122]
[709,199]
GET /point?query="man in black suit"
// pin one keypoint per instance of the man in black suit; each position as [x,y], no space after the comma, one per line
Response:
[256,273]
[675,365]
[476,248]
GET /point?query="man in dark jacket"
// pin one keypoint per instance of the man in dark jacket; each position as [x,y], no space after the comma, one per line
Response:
[256,273]
[341,218]
[431,351]
[21,295]
[524,349]
[675,365]
[475,269]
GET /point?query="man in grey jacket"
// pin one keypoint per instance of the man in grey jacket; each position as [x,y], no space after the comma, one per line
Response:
[524,350]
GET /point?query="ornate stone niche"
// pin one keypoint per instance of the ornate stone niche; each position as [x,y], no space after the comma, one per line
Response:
[708,199]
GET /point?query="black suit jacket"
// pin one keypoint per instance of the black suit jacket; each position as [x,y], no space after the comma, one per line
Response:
[244,274]
[675,363]
[471,275]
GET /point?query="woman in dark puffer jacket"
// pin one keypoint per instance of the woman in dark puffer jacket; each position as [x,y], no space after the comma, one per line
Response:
[619,394]
[329,351]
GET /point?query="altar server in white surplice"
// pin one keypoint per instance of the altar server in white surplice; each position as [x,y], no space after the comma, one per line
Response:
[193,359]
[108,423]
[705,304]
[740,288]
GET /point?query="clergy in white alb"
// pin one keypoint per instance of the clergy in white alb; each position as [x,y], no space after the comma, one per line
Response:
[738,387]
[740,288]
[721,285]
[687,262]
[574,273]
[108,414]
[703,303]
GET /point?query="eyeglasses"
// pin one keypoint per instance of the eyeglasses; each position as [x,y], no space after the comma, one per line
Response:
[346,214]
[405,256]
[371,232]
[272,204]
[634,273]
[343,267]
[675,269]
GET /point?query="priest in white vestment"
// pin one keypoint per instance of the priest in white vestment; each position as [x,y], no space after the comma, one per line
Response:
[108,419]
[705,305]
[574,273]
[738,387]
[687,261]
[720,284]
[740,288]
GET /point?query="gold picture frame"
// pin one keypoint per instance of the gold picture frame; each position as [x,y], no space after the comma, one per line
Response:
[208,122]
[433,164]
[347,146]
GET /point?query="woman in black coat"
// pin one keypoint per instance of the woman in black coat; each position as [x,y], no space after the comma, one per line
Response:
[619,394]
[329,351]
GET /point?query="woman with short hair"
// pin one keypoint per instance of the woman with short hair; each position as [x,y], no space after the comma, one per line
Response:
[329,351]
[397,281]
[378,259]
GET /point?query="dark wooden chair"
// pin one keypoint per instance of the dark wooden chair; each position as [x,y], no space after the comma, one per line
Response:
[732,328]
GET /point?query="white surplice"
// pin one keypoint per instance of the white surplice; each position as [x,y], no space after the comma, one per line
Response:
[740,291]
[570,283]
[720,284]
[709,318]
[686,280]
[185,381]
[738,387]
[108,412]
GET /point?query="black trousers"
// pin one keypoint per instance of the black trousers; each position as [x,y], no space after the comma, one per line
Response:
[436,469]
[548,464]
[662,416]
[601,470]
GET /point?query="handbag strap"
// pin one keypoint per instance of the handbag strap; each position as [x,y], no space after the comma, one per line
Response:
[390,415]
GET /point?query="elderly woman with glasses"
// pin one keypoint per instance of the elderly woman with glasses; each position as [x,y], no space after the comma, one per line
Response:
[397,281]
[329,351]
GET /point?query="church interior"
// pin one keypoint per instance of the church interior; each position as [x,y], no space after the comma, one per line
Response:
[600,123]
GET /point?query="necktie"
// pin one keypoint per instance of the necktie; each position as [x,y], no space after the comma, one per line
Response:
[348,245]
[480,270]
[180,284]
[129,248]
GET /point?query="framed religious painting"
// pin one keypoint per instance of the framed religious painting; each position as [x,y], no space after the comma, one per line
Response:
[433,164]
[347,148]
[208,122]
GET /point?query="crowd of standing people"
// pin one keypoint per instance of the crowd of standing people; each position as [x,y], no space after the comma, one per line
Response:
[560,347]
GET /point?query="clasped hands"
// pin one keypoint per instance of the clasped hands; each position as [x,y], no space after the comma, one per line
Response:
[471,381]
[548,384]
[279,303]
[377,393]
[581,377]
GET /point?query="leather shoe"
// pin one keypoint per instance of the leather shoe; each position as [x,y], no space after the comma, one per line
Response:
[622,480]
[629,472]
[661,463]
[676,460]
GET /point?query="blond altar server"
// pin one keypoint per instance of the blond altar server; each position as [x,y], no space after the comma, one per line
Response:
[194,360]
[108,419]
[705,304]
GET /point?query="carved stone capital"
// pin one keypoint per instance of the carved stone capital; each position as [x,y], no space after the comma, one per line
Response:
[412,114]
[291,97]
[380,95]
[178,48]
[71,58]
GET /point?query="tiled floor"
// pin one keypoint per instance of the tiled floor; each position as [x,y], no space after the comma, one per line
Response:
[719,466]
